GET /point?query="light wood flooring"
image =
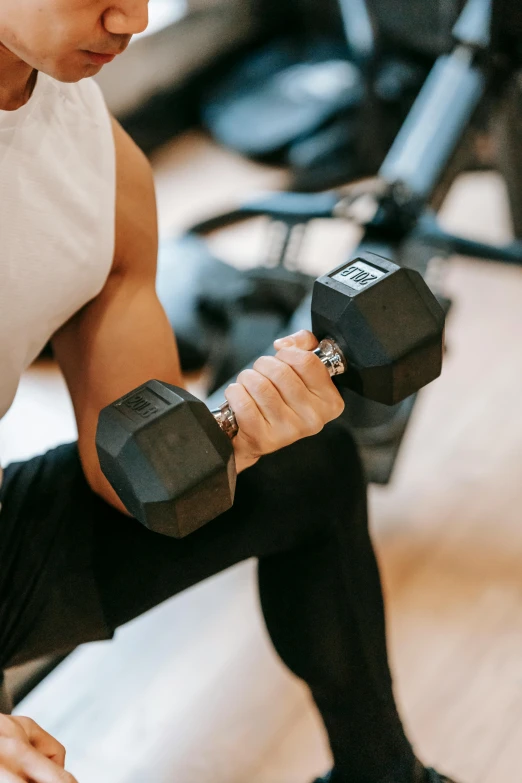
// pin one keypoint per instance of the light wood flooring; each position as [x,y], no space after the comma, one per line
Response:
[192,692]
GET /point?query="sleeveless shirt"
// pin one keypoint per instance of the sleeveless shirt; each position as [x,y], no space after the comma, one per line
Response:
[57,217]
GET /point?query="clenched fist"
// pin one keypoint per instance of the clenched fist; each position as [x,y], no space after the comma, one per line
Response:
[28,753]
[282,399]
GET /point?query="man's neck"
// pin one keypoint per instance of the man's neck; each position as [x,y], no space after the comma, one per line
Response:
[17,80]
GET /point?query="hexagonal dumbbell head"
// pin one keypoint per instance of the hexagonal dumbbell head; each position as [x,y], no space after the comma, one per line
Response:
[167,459]
[386,321]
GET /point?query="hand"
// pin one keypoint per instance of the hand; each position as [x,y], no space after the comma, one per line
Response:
[28,753]
[282,399]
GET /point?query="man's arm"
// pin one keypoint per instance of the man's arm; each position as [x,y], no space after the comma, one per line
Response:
[122,338]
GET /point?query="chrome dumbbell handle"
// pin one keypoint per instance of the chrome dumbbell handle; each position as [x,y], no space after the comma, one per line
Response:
[328,352]
[331,356]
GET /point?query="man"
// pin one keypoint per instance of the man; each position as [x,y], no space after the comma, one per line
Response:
[79,244]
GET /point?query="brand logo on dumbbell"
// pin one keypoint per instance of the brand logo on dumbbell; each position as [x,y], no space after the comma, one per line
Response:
[140,405]
[359,275]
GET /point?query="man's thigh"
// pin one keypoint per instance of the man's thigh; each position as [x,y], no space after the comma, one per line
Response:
[77,569]
[48,595]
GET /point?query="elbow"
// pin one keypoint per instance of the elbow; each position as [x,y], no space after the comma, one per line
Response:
[98,484]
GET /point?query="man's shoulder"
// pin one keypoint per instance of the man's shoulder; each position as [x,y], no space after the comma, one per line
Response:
[136,218]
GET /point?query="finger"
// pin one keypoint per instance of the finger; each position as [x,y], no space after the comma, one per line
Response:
[309,368]
[9,727]
[303,339]
[293,391]
[42,741]
[246,411]
[9,777]
[315,376]
[40,769]
[266,396]
[20,758]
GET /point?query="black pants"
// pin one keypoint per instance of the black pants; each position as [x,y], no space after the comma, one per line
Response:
[72,570]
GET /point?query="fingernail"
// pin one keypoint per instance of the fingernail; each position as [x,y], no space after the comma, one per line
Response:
[284,342]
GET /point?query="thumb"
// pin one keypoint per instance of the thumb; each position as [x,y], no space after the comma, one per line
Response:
[304,340]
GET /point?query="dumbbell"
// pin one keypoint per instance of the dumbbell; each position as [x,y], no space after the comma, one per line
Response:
[170,459]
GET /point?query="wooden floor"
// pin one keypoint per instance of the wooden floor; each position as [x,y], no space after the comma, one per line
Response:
[192,692]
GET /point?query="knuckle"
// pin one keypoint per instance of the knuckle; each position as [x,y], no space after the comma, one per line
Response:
[338,405]
[282,373]
[319,424]
[262,385]
[59,751]
[263,363]
[244,376]
[301,431]
[341,405]
[273,368]
[11,743]
[256,381]
[29,724]
[315,423]
[308,361]
[12,747]
[242,402]
[305,338]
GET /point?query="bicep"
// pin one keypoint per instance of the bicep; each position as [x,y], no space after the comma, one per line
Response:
[118,341]
[122,338]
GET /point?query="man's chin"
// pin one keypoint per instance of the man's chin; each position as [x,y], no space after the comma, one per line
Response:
[71,74]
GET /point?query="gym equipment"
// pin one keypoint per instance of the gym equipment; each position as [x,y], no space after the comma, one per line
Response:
[326,104]
[421,26]
[223,326]
[306,105]
[255,313]
[397,208]
[282,93]
[183,265]
[381,335]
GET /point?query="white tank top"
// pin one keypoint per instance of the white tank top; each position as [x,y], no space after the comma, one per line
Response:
[57,217]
